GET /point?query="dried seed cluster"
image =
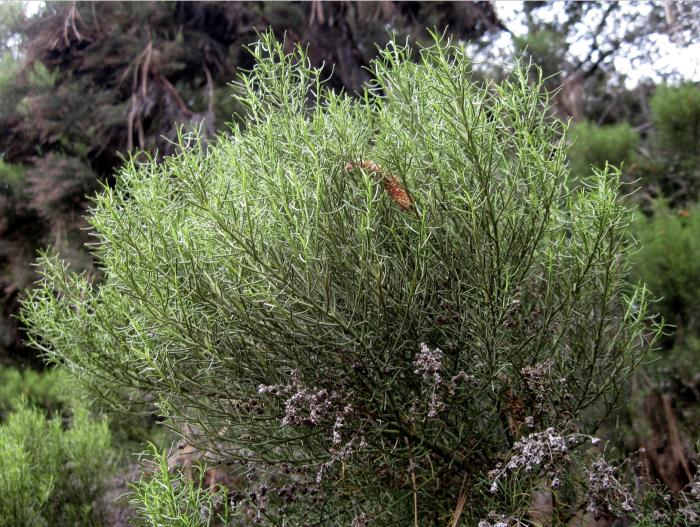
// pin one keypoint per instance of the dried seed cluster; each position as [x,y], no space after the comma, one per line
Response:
[392,185]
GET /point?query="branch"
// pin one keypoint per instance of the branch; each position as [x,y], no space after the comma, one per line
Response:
[596,65]
[595,46]
[174,94]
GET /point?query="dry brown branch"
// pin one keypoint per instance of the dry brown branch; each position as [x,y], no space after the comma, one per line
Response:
[316,12]
[145,67]
[94,18]
[130,124]
[461,502]
[666,452]
[210,93]
[179,102]
[70,22]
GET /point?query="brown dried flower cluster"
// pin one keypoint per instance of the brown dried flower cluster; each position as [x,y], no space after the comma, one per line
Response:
[500,520]
[538,451]
[308,407]
[605,492]
[392,185]
[428,364]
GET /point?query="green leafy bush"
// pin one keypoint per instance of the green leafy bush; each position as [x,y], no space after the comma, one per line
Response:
[51,475]
[10,14]
[12,194]
[594,146]
[676,117]
[668,262]
[46,390]
[364,302]
[167,497]
[675,163]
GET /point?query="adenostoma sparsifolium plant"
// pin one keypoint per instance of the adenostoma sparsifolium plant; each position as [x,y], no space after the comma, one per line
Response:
[365,302]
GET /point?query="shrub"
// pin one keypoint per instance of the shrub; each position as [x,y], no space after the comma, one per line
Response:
[363,302]
[676,117]
[50,475]
[669,263]
[594,146]
[13,199]
[676,134]
[173,498]
[47,391]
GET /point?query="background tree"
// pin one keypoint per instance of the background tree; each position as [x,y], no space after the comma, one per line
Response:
[589,50]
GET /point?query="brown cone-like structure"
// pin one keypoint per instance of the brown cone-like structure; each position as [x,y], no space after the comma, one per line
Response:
[392,185]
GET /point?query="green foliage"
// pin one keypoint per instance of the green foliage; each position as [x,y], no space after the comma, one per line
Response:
[676,117]
[10,175]
[11,15]
[48,391]
[40,77]
[83,83]
[668,262]
[674,166]
[9,67]
[658,507]
[594,146]
[285,290]
[168,497]
[544,47]
[51,475]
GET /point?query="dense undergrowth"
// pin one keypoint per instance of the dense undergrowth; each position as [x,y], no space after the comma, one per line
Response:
[55,455]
